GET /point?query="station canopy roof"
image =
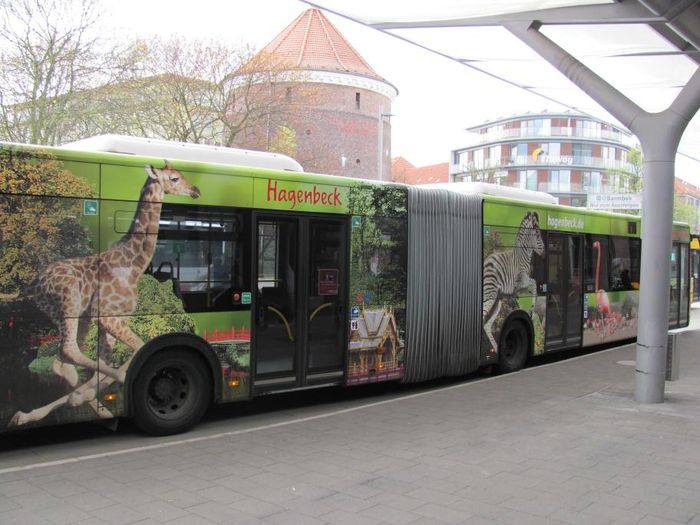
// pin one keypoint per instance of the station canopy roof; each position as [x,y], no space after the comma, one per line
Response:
[647,49]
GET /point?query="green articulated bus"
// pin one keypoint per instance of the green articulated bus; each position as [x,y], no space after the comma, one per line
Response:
[147,279]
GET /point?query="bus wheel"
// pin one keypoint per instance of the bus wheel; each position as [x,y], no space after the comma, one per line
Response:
[513,347]
[170,393]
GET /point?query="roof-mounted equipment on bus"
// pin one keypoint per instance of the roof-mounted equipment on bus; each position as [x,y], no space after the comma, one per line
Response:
[172,150]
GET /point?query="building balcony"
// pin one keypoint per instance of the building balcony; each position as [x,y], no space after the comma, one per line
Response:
[572,188]
[575,189]
[552,134]
[544,162]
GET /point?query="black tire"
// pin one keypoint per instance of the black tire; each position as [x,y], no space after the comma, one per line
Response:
[513,347]
[171,392]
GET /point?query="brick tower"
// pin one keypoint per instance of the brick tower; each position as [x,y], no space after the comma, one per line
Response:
[337,130]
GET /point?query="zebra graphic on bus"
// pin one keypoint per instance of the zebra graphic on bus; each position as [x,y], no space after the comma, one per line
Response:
[506,272]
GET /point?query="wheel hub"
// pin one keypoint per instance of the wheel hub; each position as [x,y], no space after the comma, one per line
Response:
[163,389]
[168,389]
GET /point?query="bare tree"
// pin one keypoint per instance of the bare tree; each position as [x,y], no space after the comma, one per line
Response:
[59,81]
[49,52]
[203,92]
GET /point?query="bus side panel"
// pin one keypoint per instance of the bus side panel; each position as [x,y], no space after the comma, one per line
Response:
[378,262]
[617,323]
[164,266]
[48,213]
[513,272]
[185,281]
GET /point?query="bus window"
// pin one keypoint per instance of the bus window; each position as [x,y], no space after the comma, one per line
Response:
[635,262]
[277,264]
[674,288]
[684,286]
[203,252]
[624,264]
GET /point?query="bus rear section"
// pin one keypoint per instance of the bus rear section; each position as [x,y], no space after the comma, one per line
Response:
[498,275]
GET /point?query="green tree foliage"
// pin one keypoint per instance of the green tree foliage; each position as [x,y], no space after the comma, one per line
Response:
[237,356]
[284,141]
[684,212]
[37,230]
[636,159]
[379,245]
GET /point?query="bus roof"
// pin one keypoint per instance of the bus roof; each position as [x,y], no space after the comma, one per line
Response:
[183,151]
[483,188]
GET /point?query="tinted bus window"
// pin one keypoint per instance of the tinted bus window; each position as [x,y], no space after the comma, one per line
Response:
[204,253]
[624,263]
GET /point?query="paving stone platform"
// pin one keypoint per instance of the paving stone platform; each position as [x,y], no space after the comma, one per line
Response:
[561,443]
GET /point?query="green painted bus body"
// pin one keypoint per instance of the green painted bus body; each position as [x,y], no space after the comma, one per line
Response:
[58,205]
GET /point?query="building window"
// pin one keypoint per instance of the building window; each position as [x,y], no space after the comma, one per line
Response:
[539,127]
[478,159]
[288,93]
[565,180]
[494,156]
[553,149]
[560,181]
[527,179]
[518,153]
[582,152]
[592,181]
[614,182]
[608,152]
[588,128]
[357,100]
[532,179]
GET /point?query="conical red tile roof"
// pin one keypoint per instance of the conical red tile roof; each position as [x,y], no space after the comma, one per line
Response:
[311,42]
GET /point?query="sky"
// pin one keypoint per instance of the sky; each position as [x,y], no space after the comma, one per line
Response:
[438,98]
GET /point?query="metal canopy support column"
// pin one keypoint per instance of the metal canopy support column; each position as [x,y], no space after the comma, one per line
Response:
[659,134]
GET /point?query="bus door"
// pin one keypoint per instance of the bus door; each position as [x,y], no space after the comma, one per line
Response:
[679,300]
[299,334]
[564,321]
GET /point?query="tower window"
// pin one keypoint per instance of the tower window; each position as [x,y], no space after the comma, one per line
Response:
[357,100]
